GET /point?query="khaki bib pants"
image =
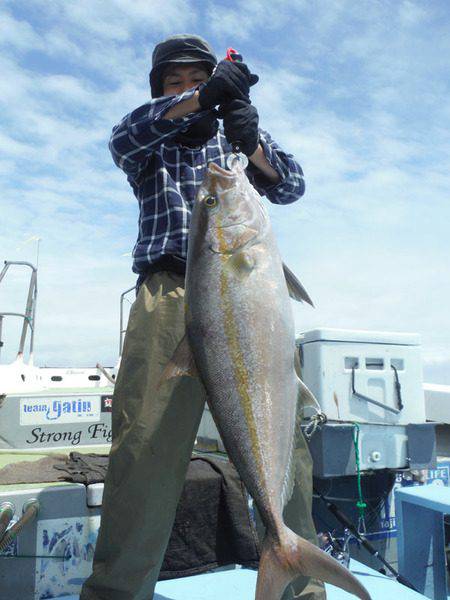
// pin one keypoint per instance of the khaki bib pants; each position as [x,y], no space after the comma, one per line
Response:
[153,434]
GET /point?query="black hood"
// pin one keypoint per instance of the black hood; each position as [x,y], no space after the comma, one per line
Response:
[182,48]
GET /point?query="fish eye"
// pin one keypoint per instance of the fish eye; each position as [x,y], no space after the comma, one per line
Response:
[210,201]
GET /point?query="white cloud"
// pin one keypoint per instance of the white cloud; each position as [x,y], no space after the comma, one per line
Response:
[245,19]
[12,147]
[114,20]
[412,13]
[18,33]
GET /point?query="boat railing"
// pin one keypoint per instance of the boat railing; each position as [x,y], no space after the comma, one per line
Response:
[122,325]
[29,316]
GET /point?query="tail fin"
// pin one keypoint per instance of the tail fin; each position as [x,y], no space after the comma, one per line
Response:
[282,561]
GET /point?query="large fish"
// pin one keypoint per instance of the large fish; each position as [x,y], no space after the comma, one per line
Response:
[240,340]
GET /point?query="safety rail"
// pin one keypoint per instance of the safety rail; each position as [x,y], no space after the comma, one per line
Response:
[122,328]
[30,309]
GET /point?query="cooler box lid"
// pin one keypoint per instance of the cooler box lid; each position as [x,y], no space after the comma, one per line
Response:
[358,335]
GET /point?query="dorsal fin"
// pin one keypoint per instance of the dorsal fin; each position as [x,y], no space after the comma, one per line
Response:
[296,290]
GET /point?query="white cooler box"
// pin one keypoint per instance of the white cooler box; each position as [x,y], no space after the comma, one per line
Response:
[364,376]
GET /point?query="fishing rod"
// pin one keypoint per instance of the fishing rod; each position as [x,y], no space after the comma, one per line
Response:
[365,543]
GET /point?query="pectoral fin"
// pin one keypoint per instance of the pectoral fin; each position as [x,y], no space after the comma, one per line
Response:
[241,264]
[181,363]
[296,290]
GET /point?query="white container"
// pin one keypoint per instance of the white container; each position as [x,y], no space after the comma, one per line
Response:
[354,375]
[437,402]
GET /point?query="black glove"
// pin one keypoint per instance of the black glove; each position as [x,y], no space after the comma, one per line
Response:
[200,132]
[240,125]
[230,80]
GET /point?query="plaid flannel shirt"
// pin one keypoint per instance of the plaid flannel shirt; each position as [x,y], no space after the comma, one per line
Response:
[165,175]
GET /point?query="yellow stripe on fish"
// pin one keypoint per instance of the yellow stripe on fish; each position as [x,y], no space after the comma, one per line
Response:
[240,372]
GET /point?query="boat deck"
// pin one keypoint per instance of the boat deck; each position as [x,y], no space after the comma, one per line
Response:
[239,584]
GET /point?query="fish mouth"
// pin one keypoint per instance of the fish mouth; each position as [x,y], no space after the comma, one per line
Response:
[215,169]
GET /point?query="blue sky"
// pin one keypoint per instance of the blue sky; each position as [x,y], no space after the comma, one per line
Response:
[357,91]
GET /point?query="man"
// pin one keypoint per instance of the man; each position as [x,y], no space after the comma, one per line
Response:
[164,147]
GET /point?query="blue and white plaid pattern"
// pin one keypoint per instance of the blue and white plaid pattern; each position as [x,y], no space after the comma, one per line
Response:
[165,176]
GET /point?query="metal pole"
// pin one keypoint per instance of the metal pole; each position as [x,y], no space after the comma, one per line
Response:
[121,318]
[5,268]
[33,314]
[28,318]
[29,315]
[20,262]
[1,327]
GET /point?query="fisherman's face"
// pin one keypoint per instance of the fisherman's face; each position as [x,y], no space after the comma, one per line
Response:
[178,78]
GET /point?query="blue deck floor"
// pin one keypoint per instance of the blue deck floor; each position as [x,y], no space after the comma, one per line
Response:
[239,584]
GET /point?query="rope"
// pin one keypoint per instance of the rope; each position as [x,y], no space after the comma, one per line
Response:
[315,421]
[361,505]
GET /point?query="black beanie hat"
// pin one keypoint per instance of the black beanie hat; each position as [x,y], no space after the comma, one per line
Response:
[182,48]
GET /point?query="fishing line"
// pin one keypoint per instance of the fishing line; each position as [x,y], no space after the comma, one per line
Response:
[360,504]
